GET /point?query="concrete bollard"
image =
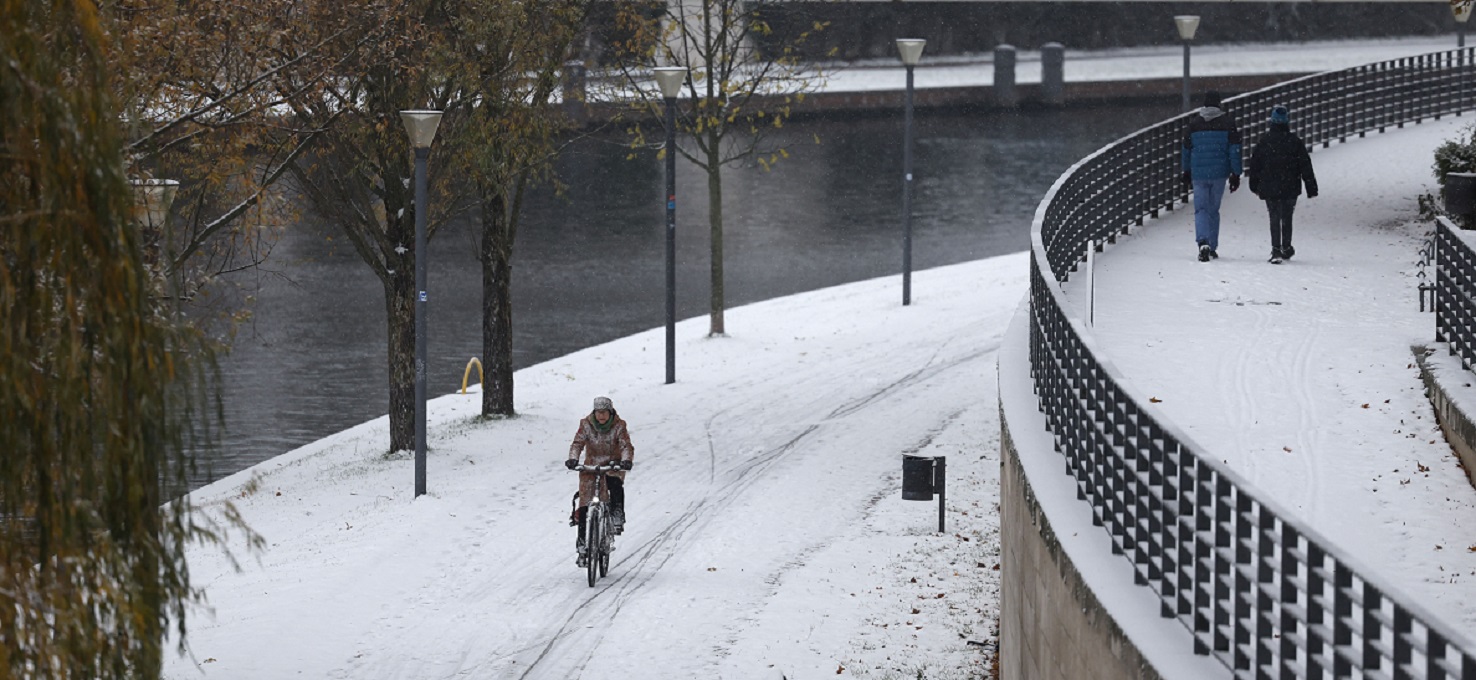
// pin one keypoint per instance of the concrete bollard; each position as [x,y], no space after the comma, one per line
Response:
[1053,74]
[1005,93]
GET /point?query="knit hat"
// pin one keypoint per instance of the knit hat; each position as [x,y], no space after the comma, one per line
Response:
[603,404]
[1212,98]
[1280,116]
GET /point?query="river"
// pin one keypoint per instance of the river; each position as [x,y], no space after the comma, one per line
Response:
[589,264]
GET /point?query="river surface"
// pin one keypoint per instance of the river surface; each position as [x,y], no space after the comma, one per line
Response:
[589,264]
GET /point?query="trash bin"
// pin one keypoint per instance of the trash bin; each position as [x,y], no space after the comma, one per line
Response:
[1460,194]
[917,478]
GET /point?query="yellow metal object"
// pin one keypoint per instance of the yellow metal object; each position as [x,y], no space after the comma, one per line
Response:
[481,379]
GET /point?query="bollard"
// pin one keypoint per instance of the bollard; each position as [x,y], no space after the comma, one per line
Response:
[1005,94]
[1053,74]
[922,477]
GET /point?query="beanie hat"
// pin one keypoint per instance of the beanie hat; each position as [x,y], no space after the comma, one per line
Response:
[603,404]
[1212,98]
[1279,115]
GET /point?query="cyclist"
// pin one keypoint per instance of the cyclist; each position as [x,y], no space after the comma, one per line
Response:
[602,438]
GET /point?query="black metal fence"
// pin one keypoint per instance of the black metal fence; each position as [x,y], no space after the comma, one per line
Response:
[1455,293]
[1261,592]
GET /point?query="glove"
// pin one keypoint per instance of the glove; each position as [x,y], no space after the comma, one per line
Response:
[569,463]
[1234,183]
[626,464]
[1187,179]
[1311,193]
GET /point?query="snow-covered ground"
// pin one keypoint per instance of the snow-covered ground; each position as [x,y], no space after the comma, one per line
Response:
[767,534]
[1301,376]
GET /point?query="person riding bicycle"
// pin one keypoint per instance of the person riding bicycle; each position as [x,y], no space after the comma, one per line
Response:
[602,438]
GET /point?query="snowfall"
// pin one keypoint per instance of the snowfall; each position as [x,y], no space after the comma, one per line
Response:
[767,536]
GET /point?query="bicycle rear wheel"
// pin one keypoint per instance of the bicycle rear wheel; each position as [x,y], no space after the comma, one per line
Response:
[594,533]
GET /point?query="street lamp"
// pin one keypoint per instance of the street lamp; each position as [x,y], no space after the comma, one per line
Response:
[670,78]
[422,128]
[1461,11]
[152,198]
[910,50]
[1187,24]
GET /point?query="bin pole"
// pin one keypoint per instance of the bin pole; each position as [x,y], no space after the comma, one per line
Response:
[940,483]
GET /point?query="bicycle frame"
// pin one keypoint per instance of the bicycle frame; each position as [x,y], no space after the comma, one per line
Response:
[598,537]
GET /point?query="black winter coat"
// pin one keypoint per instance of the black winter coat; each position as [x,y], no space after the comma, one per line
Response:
[1280,166]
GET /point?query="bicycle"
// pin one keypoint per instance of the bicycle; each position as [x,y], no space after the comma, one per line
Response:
[599,537]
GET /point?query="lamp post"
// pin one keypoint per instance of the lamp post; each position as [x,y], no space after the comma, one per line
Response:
[670,79]
[1461,11]
[1187,24]
[910,51]
[422,128]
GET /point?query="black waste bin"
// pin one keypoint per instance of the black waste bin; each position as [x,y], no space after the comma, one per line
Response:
[917,478]
[1460,194]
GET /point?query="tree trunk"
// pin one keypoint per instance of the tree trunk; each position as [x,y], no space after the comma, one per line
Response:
[496,258]
[715,224]
[399,304]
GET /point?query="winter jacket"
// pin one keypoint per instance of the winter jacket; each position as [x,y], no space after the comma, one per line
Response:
[599,446]
[1211,146]
[1280,166]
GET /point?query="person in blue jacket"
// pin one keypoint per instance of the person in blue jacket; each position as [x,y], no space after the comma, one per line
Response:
[1211,155]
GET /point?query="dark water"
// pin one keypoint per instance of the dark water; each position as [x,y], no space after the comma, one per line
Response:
[589,265]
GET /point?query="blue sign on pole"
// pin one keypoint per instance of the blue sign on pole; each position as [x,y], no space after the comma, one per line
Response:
[422,296]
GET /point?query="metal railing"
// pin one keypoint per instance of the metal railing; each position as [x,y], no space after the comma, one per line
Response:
[1258,589]
[1455,293]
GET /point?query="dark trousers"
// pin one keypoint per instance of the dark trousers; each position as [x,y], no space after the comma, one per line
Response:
[617,505]
[1280,210]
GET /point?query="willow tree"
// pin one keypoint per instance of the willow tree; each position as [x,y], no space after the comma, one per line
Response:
[98,390]
[737,93]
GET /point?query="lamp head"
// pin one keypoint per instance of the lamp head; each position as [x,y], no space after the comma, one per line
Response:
[422,126]
[670,78]
[153,197]
[910,49]
[1461,10]
[1187,24]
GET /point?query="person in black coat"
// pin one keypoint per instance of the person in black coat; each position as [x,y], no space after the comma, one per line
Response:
[1279,167]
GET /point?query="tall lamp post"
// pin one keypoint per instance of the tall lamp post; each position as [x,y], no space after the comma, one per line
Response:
[422,128]
[152,197]
[910,50]
[1187,23]
[670,78]
[1461,11]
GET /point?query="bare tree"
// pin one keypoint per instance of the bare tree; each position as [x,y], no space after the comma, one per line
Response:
[735,95]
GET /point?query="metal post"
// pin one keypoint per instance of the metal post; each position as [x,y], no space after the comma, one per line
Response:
[1460,38]
[421,191]
[1185,107]
[907,196]
[670,240]
[940,480]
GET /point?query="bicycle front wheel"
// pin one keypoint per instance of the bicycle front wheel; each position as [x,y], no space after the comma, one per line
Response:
[608,534]
[594,533]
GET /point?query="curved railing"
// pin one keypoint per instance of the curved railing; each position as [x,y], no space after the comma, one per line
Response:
[1259,590]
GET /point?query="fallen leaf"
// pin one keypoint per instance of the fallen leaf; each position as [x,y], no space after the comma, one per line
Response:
[1155,400]
[1439,547]
[840,669]
[915,610]
[1365,406]
[712,568]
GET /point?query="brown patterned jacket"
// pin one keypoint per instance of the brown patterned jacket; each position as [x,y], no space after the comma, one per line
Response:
[599,447]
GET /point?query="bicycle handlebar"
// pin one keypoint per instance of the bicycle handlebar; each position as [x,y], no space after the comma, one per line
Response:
[607,467]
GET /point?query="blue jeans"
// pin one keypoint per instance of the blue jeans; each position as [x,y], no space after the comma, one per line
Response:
[1207,196]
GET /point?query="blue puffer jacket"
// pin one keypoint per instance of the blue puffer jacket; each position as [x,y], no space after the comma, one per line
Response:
[1211,146]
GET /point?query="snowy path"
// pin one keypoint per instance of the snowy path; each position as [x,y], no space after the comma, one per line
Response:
[1301,375]
[767,533]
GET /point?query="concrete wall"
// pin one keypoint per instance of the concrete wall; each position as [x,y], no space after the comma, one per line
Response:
[1449,387]
[1051,623]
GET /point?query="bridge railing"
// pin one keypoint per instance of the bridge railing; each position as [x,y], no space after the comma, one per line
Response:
[1258,589]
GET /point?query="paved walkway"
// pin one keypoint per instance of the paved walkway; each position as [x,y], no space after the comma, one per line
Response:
[1300,376]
